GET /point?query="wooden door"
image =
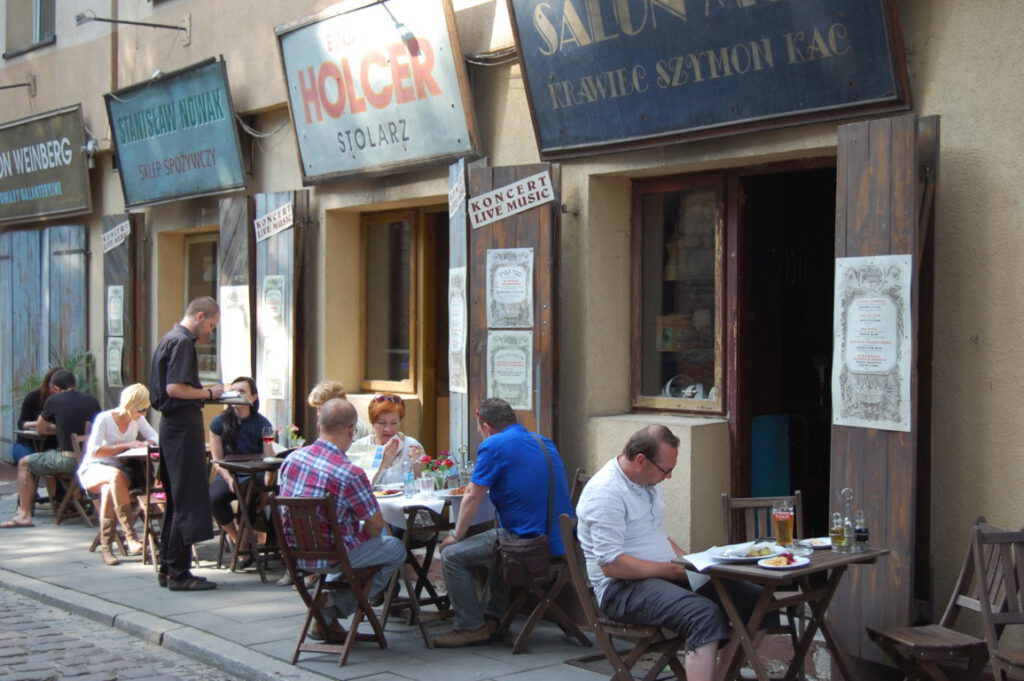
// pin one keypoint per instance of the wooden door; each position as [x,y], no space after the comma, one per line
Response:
[537,229]
[886,174]
[120,310]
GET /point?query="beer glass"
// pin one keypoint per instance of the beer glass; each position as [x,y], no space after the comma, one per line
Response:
[782,522]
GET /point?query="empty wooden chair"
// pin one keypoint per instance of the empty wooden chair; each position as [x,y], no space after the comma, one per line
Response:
[999,555]
[921,651]
[757,516]
[642,639]
[305,543]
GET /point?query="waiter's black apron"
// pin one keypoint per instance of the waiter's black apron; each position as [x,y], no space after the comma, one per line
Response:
[183,473]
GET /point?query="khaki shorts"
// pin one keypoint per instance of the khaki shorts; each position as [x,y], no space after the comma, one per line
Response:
[52,462]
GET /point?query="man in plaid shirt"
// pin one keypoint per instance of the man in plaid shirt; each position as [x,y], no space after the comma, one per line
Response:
[322,468]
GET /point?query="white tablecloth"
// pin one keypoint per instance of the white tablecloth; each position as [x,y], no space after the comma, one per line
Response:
[393,508]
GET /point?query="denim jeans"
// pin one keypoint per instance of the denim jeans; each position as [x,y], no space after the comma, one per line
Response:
[459,561]
[383,550]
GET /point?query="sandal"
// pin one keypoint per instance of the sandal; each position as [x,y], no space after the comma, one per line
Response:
[15,523]
[190,584]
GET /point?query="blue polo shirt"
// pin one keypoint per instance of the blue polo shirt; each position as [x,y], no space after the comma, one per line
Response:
[513,466]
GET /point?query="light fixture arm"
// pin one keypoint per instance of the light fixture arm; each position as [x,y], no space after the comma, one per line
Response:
[83,18]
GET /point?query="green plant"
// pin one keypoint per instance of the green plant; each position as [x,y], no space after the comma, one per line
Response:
[81,364]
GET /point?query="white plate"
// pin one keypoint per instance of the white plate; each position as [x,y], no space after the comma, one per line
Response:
[717,554]
[272,459]
[798,561]
[816,543]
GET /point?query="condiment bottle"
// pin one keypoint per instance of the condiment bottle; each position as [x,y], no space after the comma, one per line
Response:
[837,534]
[860,533]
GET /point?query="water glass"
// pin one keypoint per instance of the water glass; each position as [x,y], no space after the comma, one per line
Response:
[425,483]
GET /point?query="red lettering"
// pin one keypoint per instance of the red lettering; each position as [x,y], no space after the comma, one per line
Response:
[421,71]
[356,104]
[400,71]
[378,100]
[329,71]
[309,96]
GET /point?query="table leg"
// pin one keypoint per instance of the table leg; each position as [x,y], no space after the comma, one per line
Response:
[732,657]
[246,532]
[819,606]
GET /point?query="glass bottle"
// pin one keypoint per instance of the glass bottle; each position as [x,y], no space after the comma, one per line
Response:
[837,534]
[860,533]
[408,478]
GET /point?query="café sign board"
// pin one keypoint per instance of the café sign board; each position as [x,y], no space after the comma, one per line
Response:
[43,170]
[175,136]
[607,74]
[377,87]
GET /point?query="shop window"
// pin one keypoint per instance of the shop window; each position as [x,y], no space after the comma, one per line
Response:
[676,298]
[30,24]
[201,280]
[389,301]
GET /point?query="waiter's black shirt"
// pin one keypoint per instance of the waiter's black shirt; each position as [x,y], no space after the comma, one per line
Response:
[174,361]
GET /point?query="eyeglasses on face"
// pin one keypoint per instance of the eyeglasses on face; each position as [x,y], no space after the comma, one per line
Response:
[142,411]
[394,399]
[665,472]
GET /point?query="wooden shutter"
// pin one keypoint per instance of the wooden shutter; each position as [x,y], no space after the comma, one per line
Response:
[66,290]
[885,188]
[22,351]
[535,228]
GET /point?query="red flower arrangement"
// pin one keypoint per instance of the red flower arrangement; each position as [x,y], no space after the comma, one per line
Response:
[437,466]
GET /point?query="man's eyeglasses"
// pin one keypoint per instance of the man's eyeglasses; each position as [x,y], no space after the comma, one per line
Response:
[664,472]
[394,399]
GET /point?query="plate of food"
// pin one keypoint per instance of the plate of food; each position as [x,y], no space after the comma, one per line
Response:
[749,552]
[456,493]
[386,492]
[783,561]
[816,543]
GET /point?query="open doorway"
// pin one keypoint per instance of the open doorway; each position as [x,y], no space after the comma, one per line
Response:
[788,226]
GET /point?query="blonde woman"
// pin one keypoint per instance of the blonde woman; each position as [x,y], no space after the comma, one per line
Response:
[102,472]
[328,390]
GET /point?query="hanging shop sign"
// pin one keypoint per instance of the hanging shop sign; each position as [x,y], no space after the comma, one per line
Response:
[607,74]
[375,88]
[175,136]
[43,168]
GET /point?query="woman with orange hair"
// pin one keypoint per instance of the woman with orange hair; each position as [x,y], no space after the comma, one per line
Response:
[386,413]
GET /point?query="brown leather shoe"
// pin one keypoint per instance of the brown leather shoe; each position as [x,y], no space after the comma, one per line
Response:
[460,639]
[335,632]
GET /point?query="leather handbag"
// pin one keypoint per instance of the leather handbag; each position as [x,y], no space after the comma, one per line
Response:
[526,561]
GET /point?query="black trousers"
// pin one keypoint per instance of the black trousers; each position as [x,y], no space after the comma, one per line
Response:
[183,474]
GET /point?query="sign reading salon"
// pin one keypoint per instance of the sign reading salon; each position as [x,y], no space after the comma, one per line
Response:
[175,136]
[375,88]
[43,170]
[602,73]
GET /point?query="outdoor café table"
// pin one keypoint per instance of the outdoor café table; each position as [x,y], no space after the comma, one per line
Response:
[146,457]
[38,441]
[816,594]
[261,553]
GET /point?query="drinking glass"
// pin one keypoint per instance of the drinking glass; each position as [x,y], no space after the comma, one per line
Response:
[782,522]
[425,483]
[268,434]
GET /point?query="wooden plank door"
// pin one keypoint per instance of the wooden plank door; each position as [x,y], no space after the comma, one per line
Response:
[119,312]
[536,228]
[885,185]
[67,290]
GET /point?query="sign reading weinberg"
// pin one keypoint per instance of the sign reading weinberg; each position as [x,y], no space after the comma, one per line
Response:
[43,170]
[175,136]
[604,73]
[377,88]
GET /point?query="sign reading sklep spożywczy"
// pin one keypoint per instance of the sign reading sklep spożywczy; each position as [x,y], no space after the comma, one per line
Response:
[176,137]
[377,88]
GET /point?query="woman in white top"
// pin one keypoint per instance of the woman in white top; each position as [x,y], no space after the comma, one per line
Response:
[102,472]
[386,413]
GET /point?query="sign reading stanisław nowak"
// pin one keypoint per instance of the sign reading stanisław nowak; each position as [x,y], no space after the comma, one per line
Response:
[43,170]
[377,88]
[602,73]
[175,136]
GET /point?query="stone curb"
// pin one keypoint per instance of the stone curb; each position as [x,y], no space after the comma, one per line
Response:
[201,646]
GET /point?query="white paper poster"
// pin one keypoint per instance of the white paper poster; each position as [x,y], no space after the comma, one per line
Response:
[275,367]
[510,288]
[457,328]
[115,351]
[367,457]
[504,202]
[234,332]
[871,364]
[115,310]
[510,367]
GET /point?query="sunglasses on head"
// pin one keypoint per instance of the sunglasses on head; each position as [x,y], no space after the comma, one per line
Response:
[394,399]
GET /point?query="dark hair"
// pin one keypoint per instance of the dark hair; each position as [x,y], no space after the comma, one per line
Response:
[648,440]
[44,389]
[63,379]
[206,305]
[232,424]
[497,413]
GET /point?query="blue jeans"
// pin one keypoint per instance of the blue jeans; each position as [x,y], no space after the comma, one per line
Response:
[459,561]
[19,451]
[386,551]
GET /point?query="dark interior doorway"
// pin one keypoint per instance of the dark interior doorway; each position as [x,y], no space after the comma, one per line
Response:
[788,220]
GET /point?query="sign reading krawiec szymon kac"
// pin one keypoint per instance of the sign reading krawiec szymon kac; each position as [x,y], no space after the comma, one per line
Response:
[628,73]
[175,136]
[43,170]
[377,87]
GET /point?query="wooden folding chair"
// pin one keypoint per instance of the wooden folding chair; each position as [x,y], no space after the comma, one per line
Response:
[306,542]
[999,554]
[579,481]
[644,639]
[71,504]
[919,651]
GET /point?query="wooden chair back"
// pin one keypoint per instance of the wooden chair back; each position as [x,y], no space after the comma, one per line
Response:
[312,535]
[999,558]
[645,639]
[579,481]
[757,517]
[71,504]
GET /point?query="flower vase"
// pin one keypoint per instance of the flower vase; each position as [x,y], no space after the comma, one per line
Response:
[440,479]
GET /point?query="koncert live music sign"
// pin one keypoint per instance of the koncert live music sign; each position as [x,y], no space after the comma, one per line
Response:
[624,73]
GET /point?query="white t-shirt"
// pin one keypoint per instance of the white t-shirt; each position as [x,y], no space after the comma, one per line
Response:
[393,473]
[105,432]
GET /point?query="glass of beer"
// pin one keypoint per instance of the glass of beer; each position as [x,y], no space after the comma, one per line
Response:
[782,522]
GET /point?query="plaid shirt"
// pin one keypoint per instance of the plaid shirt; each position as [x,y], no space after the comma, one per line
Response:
[322,468]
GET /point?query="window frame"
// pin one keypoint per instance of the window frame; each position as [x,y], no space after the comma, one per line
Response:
[34,29]
[188,241]
[677,183]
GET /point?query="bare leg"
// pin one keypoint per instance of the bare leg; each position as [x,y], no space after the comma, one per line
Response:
[700,663]
[27,483]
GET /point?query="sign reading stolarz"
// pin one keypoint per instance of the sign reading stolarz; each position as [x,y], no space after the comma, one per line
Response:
[175,136]
[377,87]
[620,74]
[43,170]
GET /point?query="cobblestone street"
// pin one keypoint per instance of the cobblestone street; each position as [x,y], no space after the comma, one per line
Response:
[40,643]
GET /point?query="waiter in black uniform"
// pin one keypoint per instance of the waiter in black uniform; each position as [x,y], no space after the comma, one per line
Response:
[177,393]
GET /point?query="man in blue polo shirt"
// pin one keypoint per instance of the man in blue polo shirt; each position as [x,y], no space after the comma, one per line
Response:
[512,466]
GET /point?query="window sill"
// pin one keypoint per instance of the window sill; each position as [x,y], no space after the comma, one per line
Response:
[29,48]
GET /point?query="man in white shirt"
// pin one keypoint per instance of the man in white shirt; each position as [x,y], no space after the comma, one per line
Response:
[622,532]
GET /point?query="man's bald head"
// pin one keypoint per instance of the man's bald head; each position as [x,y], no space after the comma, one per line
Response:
[336,417]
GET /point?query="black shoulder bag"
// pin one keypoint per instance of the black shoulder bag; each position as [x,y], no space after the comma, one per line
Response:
[527,561]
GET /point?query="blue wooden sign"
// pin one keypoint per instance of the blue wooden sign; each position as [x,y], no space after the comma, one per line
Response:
[606,73]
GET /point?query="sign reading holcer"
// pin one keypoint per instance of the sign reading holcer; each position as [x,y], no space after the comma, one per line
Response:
[377,88]
[176,136]
[606,72]
[43,170]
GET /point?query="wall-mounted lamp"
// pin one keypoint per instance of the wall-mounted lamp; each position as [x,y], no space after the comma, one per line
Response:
[186,24]
[30,83]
